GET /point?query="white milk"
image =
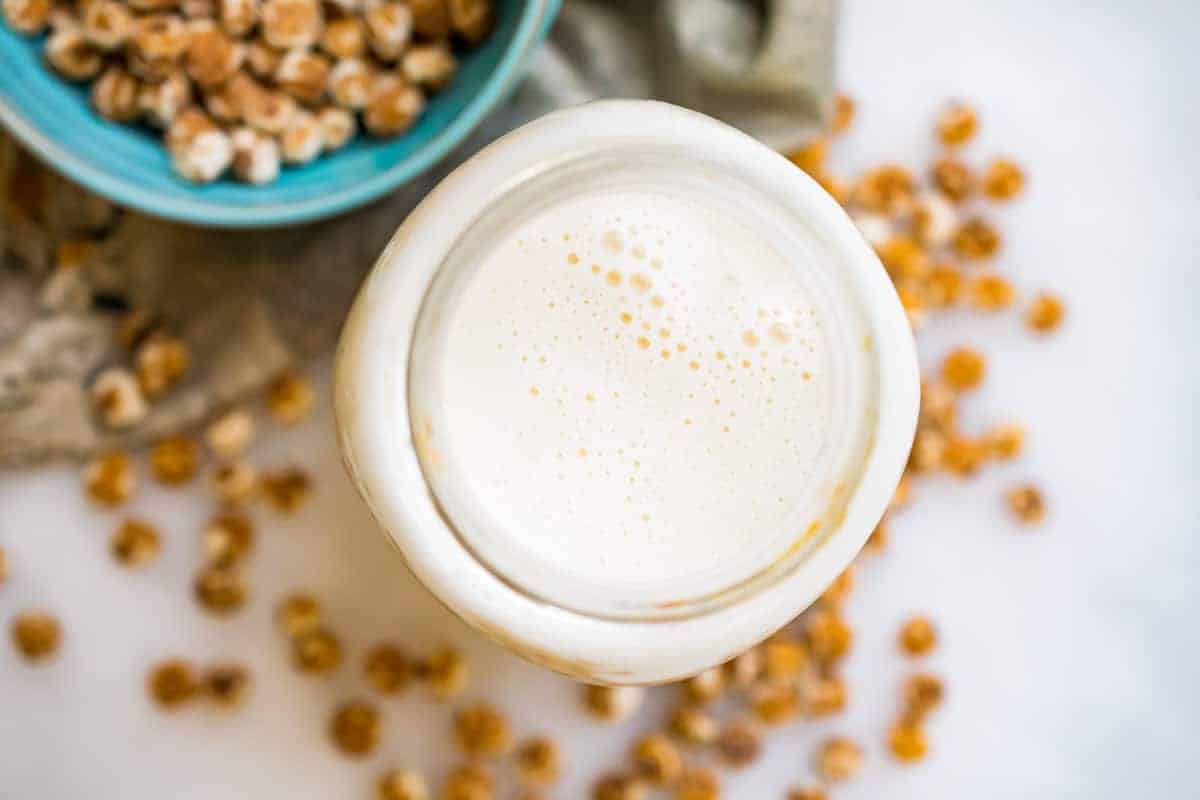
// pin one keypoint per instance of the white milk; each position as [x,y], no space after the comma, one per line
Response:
[634,392]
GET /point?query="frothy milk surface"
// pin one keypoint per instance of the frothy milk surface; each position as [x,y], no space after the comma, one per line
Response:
[636,387]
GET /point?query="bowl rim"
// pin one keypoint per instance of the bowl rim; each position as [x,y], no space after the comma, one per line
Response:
[536,17]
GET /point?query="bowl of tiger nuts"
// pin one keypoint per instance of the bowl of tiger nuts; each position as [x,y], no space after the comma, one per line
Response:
[253,113]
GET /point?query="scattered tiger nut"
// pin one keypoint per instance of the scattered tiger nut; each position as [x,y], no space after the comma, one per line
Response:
[219,591]
[156,46]
[267,110]
[117,399]
[298,614]
[807,793]
[173,460]
[784,659]
[134,542]
[956,124]
[612,703]
[445,672]
[838,759]
[231,433]
[198,9]
[538,761]
[745,669]
[354,728]
[887,189]
[227,539]
[162,360]
[952,178]
[71,55]
[226,685]
[843,113]
[256,156]
[934,220]
[829,637]
[262,59]
[160,103]
[1045,313]
[922,693]
[36,634]
[430,66]
[992,292]
[1004,441]
[212,57]
[146,6]
[389,29]
[656,759]
[27,16]
[392,107]
[619,786]
[739,743]
[291,23]
[401,784]
[907,742]
[469,782]
[107,24]
[471,19]
[223,104]
[976,239]
[706,686]
[304,75]
[431,18]
[698,783]
[775,703]
[1027,504]
[172,683]
[115,95]
[481,731]
[286,489]
[338,127]
[238,17]
[823,696]
[964,368]
[918,636]
[387,669]
[318,651]
[345,37]
[109,479]
[694,726]
[302,138]
[1003,179]
[350,83]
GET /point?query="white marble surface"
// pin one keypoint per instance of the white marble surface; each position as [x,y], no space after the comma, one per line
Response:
[1070,652]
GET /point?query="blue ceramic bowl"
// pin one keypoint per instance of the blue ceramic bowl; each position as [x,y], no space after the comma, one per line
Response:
[129,165]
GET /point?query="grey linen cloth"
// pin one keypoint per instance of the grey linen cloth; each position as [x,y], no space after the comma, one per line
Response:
[249,304]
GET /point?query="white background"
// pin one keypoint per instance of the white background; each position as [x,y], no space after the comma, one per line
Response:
[1069,651]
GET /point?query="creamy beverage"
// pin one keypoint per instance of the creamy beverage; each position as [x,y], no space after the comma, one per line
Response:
[633,387]
[636,392]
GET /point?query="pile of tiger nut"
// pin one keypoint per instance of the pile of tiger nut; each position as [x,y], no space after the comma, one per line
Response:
[245,85]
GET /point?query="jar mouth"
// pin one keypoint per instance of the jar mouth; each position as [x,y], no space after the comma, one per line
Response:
[382,431]
[542,536]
